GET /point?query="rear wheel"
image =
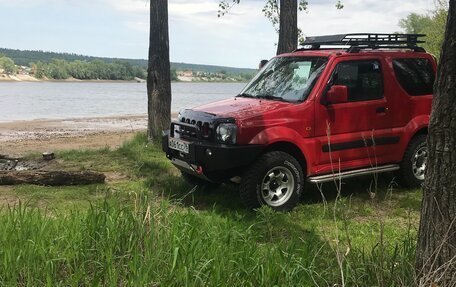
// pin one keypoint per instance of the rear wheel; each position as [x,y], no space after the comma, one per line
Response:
[413,166]
[275,179]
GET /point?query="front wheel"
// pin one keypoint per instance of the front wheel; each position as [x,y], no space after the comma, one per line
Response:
[275,179]
[413,165]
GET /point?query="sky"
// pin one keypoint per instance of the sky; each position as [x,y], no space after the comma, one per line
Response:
[119,28]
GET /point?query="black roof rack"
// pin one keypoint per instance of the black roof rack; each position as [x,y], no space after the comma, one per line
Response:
[357,41]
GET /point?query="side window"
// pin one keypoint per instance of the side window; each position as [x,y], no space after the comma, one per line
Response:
[416,76]
[364,79]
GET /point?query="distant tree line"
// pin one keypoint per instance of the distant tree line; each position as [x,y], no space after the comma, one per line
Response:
[211,68]
[223,74]
[66,66]
[25,57]
[59,69]
[87,70]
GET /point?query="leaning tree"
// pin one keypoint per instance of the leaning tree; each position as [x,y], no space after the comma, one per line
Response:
[158,71]
[436,250]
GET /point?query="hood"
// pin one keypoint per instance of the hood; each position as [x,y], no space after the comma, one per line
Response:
[241,108]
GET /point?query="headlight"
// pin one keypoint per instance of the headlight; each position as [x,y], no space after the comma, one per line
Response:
[226,133]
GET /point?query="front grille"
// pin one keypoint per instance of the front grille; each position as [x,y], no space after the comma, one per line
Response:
[194,129]
[197,125]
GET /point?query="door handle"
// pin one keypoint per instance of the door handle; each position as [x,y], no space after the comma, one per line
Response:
[381,110]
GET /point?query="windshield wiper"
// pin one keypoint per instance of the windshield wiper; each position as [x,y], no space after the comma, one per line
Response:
[245,95]
[266,97]
[274,98]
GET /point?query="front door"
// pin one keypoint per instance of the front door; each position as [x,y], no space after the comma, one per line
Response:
[356,133]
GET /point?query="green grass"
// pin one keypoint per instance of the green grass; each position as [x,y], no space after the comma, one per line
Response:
[149,228]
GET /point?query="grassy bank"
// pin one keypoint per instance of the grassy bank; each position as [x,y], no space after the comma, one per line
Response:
[146,227]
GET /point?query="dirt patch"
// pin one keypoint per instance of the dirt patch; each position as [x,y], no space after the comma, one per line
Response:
[7,198]
[94,141]
[112,177]
[23,137]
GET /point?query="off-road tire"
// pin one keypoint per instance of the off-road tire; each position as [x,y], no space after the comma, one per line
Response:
[406,176]
[252,180]
[196,181]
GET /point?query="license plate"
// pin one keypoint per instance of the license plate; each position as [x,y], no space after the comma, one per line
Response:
[179,145]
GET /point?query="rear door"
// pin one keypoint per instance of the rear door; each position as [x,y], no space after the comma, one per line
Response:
[356,133]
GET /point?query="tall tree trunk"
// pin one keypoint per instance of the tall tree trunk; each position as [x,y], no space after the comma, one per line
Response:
[436,250]
[158,72]
[288,30]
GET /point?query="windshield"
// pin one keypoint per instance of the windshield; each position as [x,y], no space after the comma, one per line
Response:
[288,79]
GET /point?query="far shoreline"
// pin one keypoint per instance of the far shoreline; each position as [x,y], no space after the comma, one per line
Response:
[28,79]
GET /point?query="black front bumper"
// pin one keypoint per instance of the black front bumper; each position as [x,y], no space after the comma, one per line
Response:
[212,161]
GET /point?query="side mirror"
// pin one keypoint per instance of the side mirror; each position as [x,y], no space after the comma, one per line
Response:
[337,94]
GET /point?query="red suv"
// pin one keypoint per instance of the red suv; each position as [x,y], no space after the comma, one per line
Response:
[342,106]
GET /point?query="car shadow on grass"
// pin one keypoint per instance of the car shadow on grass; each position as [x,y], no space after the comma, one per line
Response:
[224,201]
[362,187]
[226,196]
[199,197]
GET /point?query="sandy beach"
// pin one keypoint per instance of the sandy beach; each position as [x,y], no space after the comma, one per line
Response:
[22,137]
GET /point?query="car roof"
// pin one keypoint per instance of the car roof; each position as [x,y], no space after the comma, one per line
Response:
[330,53]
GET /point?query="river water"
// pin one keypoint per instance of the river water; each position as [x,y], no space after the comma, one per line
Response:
[64,100]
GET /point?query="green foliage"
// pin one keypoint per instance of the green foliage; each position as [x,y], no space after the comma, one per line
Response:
[143,243]
[211,68]
[339,5]
[415,23]
[244,77]
[153,229]
[39,69]
[83,70]
[8,65]
[271,10]
[432,24]
[174,74]
[24,58]
[58,70]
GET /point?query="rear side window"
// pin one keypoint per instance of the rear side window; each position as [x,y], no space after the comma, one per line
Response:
[363,79]
[416,76]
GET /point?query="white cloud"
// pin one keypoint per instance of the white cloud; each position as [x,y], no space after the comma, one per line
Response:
[141,26]
[128,5]
[360,16]
[197,15]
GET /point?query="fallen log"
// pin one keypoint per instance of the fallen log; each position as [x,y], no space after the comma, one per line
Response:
[10,157]
[50,178]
